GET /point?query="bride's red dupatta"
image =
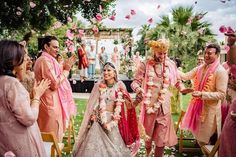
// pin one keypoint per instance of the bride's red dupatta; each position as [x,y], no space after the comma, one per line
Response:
[128,126]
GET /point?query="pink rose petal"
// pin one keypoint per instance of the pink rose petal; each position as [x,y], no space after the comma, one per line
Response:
[150,20]
[99,17]
[222,29]
[112,18]
[230,30]
[127,17]
[132,12]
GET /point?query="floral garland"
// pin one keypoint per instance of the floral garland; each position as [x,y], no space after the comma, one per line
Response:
[102,107]
[163,85]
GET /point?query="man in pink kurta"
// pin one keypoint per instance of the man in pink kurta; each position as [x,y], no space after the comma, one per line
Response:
[57,102]
[151,83]
[203,116]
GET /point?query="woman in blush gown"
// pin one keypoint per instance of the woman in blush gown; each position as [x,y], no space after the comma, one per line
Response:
[106,130]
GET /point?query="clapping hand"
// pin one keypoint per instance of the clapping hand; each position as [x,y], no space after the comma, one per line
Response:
[69,62]
[40,87]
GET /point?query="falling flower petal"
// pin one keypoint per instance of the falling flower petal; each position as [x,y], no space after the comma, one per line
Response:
[100,8]
[95,29]
[195,2]
[158,7]
[223,1]
[112,18]
[150,20]
[127,17]
[222,29]
[32,5]
[69,19]
[132,12]
[230,30]
[99,17]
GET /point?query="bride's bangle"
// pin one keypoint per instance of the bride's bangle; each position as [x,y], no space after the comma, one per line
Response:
[36,100]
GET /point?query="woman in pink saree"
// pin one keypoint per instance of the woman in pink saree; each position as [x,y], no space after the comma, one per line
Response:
[106,129]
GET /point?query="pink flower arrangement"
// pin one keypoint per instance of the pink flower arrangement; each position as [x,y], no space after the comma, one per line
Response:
[69,34]
[99,17]
[81,33]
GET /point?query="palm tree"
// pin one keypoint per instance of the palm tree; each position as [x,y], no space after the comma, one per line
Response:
[187,34]
[140,45]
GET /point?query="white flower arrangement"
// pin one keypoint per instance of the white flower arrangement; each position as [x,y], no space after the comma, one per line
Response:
[161,95]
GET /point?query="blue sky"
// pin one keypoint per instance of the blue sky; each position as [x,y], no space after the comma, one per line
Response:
[218,13]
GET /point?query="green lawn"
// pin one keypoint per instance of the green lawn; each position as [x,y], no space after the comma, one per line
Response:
[172,152]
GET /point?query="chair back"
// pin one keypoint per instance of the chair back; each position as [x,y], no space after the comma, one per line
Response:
[51,144]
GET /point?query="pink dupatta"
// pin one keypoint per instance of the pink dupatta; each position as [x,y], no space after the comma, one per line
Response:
[194,114]
[64,91]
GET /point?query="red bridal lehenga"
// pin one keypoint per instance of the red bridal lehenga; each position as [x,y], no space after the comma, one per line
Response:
[120,140]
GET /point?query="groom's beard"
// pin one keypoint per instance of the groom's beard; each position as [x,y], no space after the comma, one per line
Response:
[158,60]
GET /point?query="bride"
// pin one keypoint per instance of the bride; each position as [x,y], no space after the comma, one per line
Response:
[109,127]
